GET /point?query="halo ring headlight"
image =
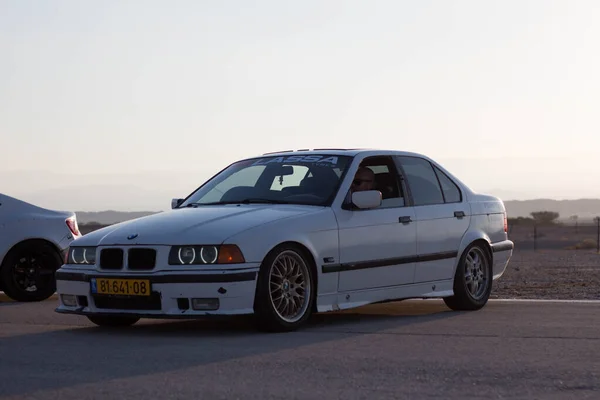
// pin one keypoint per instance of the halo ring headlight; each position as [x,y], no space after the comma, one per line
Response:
[81,255]
[79,252]
[186,255]
[209,255]
[73,256]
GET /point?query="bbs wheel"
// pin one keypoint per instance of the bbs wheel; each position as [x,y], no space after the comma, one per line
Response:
[113,321]
[285,290]
[472,280]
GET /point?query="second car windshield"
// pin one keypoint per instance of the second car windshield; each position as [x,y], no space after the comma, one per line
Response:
[298,179]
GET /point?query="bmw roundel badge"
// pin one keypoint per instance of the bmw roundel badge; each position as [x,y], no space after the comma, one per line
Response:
[132,236]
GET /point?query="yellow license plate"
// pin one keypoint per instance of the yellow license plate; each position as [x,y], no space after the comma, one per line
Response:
[125,287]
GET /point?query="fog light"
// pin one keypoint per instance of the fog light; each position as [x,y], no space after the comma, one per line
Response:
[69,300]
[205,304]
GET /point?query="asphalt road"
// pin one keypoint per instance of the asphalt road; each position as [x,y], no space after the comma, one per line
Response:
[411,349]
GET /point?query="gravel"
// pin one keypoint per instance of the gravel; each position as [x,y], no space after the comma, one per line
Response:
[550,274]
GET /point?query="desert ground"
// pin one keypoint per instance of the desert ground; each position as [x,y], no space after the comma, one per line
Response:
[561,263]
[558,262]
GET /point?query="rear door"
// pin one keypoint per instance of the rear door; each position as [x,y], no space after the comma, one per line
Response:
[442,218]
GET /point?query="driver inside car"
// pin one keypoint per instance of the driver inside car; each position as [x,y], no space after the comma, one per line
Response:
[363,180]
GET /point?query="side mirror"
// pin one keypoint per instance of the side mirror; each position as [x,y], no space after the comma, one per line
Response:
[367,199]
[176,202]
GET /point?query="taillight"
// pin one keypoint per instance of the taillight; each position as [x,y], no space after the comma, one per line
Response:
[73,227]
[505,223]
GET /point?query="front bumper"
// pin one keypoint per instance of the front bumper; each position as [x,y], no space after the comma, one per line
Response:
[222,292]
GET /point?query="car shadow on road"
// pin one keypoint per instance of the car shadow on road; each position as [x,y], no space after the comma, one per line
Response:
[89,354]
[372,318]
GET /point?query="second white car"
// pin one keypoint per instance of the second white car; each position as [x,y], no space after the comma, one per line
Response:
[33,244]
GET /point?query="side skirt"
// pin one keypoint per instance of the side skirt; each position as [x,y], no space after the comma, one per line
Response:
[346,300]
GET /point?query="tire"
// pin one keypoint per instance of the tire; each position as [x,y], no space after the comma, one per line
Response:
[474,260]
[113,321]
[288,261]
[33,262]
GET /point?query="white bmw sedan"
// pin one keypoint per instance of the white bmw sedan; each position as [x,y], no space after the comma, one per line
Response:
[288,234]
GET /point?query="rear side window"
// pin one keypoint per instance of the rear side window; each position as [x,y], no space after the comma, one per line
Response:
[451,191]
[423,182]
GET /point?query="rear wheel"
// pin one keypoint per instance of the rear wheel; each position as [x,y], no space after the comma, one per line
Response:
[472,280]
[27,273]
[113,320]
[285,291]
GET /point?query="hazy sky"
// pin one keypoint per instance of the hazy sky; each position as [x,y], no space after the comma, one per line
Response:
[94,88]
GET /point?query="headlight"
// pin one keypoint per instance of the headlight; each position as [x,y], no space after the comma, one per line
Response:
[81,255]
[205,254]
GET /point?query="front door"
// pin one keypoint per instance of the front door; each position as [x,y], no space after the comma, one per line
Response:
[378,246]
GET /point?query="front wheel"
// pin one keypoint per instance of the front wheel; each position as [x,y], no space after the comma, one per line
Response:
[113,321]
[285,291]
[472,280]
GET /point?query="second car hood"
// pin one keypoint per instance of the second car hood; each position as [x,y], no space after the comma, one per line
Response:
[201,225]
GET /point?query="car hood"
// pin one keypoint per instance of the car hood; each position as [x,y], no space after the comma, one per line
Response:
[201,225]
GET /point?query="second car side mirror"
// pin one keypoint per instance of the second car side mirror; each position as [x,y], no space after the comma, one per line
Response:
[176,202]
[367,199]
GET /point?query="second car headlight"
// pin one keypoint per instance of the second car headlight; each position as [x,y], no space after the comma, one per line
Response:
[205,254]
[81,255]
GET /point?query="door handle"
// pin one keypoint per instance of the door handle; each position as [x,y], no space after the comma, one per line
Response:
[459,214]
[405,219]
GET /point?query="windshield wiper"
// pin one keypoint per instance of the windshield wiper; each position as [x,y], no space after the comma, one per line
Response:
[259,200]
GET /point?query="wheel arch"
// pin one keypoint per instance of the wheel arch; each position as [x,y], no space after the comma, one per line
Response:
[312,261]
[486,246]
[304,249]
[472,237]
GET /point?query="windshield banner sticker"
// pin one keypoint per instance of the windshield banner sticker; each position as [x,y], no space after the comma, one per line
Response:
[330,160]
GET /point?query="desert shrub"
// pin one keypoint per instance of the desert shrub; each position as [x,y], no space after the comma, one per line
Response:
[545,217]
[586,244]
[521,221]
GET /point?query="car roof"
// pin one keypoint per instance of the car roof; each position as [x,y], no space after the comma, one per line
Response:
[342,152]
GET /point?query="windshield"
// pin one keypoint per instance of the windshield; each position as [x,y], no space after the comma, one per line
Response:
[298,179]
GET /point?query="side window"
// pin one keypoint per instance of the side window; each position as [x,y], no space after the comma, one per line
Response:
[451,191]
[386,181]
[422,180]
